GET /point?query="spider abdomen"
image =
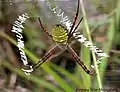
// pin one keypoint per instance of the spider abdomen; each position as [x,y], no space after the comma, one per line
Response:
[59,34]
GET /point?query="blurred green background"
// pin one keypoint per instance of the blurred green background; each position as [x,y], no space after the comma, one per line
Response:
[60,74]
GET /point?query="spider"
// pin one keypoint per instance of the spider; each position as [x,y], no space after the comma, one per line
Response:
[61,36]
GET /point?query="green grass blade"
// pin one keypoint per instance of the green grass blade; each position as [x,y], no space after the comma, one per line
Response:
[37,80]
[58,79]
[89,38]
[67,74]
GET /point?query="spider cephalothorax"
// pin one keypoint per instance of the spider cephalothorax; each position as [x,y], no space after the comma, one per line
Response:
[60,34]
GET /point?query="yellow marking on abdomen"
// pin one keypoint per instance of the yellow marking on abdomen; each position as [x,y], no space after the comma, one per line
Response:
[59,34]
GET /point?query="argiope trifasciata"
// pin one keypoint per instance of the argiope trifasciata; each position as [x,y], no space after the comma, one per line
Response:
[61,36]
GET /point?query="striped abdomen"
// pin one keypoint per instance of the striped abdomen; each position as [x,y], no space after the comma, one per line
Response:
[59,34]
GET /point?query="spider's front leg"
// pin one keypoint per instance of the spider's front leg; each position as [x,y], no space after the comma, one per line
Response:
[41,61]
[77,58]
[46,57]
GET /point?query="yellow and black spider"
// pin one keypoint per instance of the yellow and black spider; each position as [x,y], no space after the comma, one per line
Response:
[61,36]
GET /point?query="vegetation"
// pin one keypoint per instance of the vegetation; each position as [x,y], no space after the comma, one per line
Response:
[60,74]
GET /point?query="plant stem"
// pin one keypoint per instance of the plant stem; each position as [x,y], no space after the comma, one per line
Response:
[89,37]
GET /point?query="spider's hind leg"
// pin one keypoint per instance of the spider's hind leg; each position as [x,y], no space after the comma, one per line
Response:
[75,19]
[41,25]
[70,35]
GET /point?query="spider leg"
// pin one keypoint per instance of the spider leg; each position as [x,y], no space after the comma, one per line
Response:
[44,28]
[75,28]
[45,57]
[77,58]
[75,18]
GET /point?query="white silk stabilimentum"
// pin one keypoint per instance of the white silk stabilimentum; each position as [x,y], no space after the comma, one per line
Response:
[17,28]
[65,20]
